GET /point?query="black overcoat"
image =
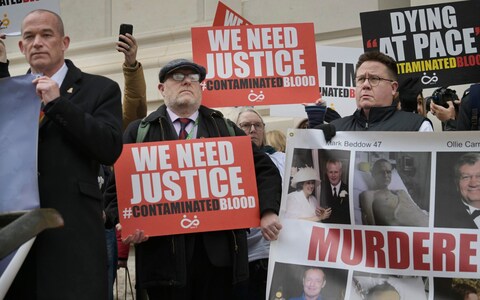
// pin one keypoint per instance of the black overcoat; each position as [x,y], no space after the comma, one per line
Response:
[81,130]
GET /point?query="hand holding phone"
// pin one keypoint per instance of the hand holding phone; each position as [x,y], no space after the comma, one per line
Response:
[124,29]
[127,45]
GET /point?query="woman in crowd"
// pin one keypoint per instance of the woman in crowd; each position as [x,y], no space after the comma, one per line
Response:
[277,140]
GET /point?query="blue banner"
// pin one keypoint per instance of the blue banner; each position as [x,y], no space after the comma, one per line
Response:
[19,115]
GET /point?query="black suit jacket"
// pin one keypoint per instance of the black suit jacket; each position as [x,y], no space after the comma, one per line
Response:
[81,130]
[452,213]
[4,70]
[340,206]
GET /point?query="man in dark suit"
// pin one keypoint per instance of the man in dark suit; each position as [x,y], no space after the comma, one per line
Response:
[465,211]
[335,194]
[80,129]
[200,265]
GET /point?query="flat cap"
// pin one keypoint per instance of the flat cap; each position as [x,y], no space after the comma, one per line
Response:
[180,64]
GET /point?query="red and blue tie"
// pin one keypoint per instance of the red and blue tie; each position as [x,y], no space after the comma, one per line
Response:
[183,124]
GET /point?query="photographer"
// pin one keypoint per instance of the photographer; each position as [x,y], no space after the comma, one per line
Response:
[410,96]
[444,104]
[469,109]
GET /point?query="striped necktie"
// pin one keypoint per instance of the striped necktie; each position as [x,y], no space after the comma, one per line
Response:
[183,124]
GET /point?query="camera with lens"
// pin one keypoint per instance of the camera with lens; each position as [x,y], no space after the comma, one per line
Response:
[441,96]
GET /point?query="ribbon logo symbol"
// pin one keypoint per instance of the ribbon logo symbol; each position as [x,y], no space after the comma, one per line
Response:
[429,79]
[187,223]
[252,97]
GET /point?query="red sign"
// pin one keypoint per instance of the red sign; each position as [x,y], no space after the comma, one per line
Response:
[225,16]
[188,186]
[257,64]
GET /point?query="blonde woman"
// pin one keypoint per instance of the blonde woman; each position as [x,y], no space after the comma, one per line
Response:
[276,139]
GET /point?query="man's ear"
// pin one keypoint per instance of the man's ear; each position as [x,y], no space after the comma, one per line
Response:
[65,43]
[324,283]
[161,88]
[394,87]
[20,46]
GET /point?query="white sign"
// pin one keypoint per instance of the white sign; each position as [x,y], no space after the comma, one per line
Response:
[336,73]
[404,220]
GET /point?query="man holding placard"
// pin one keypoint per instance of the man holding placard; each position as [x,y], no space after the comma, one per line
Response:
[201,265]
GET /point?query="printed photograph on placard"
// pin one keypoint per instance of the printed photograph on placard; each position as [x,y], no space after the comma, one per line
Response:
[392,188]
[457,204]
[369,286]
[318,186]
[297,282]
[334,173]
[456,288]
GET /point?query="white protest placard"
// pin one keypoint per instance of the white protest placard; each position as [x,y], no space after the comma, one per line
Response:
[336,77]
[409,199]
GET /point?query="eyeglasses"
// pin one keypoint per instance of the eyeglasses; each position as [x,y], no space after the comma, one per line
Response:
[181,77]
[373,80]
[248,126]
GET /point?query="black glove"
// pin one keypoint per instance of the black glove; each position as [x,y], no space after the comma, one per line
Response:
[315,114]
[329,131]
[331,115]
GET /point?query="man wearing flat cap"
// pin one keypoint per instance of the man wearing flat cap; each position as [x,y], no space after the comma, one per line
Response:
[202,265]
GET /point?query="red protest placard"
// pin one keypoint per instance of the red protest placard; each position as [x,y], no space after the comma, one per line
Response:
[176,187]
[225,16]
[257,64]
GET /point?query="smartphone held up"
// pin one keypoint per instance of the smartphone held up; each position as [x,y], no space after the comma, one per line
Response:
[124,29]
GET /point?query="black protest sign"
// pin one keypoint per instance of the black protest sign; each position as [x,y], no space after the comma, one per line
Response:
[439,43]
